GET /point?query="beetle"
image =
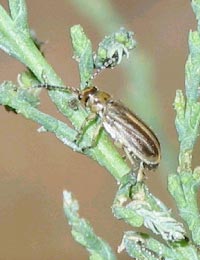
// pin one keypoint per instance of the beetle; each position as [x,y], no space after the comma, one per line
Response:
[127,130]
[139,142]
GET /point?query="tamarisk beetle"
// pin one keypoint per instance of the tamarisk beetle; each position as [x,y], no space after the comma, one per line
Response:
[124,127]
[138,141]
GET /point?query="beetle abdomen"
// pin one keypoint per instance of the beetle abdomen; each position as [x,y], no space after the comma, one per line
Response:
[126,128]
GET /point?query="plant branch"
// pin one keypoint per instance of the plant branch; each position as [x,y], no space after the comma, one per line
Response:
[184,185]
[16,41]
[83,233]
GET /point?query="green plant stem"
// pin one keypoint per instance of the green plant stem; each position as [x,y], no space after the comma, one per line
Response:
[138,73]
[16,41]
[144,208]
[83,233]
[184,185]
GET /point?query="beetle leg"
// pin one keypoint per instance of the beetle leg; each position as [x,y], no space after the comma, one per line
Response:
[89,118]
[124,157]
[94,138]
[129,155]
[135,167]
[141,173]
[95,135]
[73,104]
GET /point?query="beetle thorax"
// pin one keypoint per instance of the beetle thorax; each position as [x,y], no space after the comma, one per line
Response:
[94,99]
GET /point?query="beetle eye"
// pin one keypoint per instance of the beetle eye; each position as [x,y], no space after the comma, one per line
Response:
[80,96]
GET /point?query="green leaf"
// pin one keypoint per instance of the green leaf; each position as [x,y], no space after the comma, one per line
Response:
[83,232]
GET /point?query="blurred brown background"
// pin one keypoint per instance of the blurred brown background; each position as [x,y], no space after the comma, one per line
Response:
[35,168]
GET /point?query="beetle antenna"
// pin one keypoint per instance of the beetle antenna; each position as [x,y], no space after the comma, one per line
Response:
[61,88]
[106,65]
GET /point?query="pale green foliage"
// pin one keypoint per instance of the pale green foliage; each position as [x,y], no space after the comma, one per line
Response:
[133,202]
